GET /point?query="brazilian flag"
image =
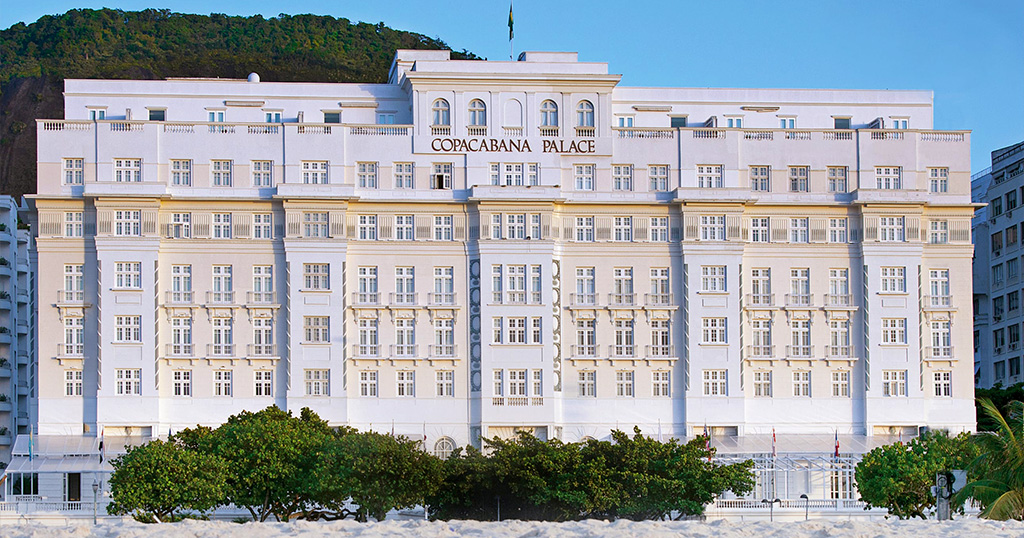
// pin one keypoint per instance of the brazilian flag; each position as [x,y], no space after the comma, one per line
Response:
[510,21]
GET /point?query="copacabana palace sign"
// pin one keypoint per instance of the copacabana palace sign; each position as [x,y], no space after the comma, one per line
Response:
[495,145]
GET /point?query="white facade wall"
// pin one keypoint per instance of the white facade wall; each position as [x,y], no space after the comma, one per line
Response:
[451,231]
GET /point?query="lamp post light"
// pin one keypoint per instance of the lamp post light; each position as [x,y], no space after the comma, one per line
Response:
[95,493]
[771,507]
[807,503]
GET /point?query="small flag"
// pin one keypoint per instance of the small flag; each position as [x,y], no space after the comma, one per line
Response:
[773,443]
[837,444]
[510,21]
[101,445]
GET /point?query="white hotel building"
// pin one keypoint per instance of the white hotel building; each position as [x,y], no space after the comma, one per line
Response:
[477,247]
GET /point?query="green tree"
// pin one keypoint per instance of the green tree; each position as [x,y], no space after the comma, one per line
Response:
[1000,396]
[999,486]
[163,477]
[899,477]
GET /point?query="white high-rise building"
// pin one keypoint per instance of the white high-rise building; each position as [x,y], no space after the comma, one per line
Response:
[478,247]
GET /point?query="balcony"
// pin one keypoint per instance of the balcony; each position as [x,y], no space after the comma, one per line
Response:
[441,299]
[621,299]
[71,351]
[943,353]
[551,131]
[760,352]
[220,297]
[586,132]
[838,300]
[178,297]
[403,299]
[476,130]
[839,352]
[799,299]
[365,350]
[404,350]
[71,297]
[937,301]
[220,350]
[799,352]
[583,299]
[660,351]
[586,351]
[260,297]
[515,297]
[441,130]
[513,132]
[178,350]
[516,401]
[659,299]
[442,350]
[366,298]
[261,350]
[380,130]
[760,299]
[623,351]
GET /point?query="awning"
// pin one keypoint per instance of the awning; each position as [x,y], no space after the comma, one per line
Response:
[799,443]
[70,464]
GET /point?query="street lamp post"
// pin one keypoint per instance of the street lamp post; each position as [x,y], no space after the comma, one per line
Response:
[95,493]
[771,507]
[807,503]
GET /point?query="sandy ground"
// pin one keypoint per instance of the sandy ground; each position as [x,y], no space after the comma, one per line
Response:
[516,529]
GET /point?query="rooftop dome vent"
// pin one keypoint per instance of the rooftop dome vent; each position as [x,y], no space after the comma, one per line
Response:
[253,77]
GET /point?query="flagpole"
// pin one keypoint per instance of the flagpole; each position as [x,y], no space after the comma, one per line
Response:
[511,52]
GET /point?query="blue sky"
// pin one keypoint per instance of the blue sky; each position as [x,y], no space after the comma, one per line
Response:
[970,52]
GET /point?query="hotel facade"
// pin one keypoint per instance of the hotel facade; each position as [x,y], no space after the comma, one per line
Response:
[475,248]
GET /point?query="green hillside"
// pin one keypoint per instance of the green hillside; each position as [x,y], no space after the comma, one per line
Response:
[36,58]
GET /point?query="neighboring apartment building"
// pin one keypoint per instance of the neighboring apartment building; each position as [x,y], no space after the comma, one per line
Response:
[475,248]
[17,367]
[997,278]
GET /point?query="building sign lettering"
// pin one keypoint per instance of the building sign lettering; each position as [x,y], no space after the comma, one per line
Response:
[495,145]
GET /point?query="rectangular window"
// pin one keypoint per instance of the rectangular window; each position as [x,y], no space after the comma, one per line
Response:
[127,223]
[222,284]
[761,286]
[263,173]
[445,384]
[73,226]
[624,343]
[709,176]
[889,177]
[938,180]
[182,383]
[405,384]
[368,384]
[623,229]
[366,175]
[128,329]
[799,230]
[763,384]
[444,286]
[713,331]
[583,175]
[712,278]
[223,337]
[220,173]
[760,178]
[513,175]
[622,177]
[316,225]
[841,384]
[404,228]
[838,230]
[74,337]
[368,338]
[515,284]
[222,383]
[658,230]
[127,170]
[624,384]
[712,227]
[536,284]
[72,382]
[587,384]
[443,228]
[180,226]
[658,176]
[442,176]
[74,171]
[837,179]
[314,172]
[585,229]
[943,384]
[128,382]
[759,230]
[316,329]
[404,176]
[894,280]
[894,383]
[262,226]
[894,331]
[181,172]
[661,384]
[316,276]
[263,383]
[938,232]
[801,384]
[715,383]
[890,229]
[222,225]
[318,382]
[798,179]
[128,275]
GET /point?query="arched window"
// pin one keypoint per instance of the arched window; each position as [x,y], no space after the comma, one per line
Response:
[441,111]
[444,447]
[477,113]
[586,439]
[548,114]
[584,114]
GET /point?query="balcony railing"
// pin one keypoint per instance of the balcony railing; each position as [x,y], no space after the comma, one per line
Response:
[220,297]
[220,350]
[476,130]
[938,301]
[402,298]
[583,299]
[261,350]
[71,350]
[403,350]
[832,299]
[658,299]
[840,351]
[366,350]
[178,297]
[623,350]
[939,352]
[515,297]
[380,130]
[660,351]
[584,351]
[760,299]
[71,297]
[443,350]
[441,299]
[441,130]
[799,299]
[621,299]
[513,132]
[586,132]
[800,351]
[549,130]
[365,298]
[760,351]
[260,297]
[178,350]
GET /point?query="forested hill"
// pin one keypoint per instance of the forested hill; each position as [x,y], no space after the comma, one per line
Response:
[83,43]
